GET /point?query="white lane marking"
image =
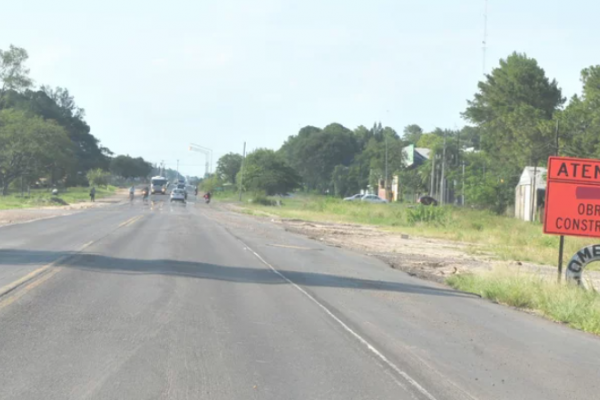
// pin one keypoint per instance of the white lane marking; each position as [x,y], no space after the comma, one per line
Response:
[368,345]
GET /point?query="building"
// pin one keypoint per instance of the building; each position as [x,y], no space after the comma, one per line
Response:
[530,193]
[413,157]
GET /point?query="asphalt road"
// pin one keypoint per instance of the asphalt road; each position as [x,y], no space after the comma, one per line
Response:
[174,302]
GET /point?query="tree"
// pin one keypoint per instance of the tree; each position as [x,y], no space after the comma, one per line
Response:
[516,91]
[343,184]
[13,73]
[314,153]
[58,105]
[129,167]
[362,135]
[412,134]
[580,121]
[97,177]
[266,171]
[211,182]
[30,146]
[228,167]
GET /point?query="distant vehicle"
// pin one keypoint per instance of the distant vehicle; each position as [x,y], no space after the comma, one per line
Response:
[427,201]
[182,186]
[371,198]
[354,198]
[158,185]
[177,195]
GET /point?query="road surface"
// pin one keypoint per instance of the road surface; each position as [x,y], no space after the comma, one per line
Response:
[173,302]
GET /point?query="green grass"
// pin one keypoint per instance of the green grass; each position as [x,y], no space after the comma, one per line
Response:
[42,197]
[505,237]
[564,303]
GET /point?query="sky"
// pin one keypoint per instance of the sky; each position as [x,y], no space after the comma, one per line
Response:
[155,76]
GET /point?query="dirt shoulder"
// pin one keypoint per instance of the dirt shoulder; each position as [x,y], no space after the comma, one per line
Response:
[19,216]
[433,259]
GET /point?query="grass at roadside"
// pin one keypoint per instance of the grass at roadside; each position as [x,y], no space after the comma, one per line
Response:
[505,237]
[43,197]
[560,302]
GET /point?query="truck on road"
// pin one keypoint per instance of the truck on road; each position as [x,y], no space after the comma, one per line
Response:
[158,185]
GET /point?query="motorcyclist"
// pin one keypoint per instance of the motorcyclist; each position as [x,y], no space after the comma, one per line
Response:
[145,193]
[131,192]
[207,196]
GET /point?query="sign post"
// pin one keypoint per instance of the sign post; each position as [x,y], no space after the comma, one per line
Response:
[561,247]
[572,199]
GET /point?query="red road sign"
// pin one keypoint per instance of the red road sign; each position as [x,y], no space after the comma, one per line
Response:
[573,197]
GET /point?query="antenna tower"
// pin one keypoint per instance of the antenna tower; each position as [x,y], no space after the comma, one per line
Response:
[485,35]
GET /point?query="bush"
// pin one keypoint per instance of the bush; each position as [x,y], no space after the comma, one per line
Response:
[263,200]
[427,214]
[97,177]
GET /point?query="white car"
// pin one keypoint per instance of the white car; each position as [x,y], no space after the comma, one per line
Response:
[355,197]
[371,198]
[177,195]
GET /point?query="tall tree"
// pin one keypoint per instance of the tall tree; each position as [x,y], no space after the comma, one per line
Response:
[30,146]
[58,105]
[228,166]
[516,91]
[14,75]
[412,133]
[266,171]
[580,121]
[129,167]
[314,153]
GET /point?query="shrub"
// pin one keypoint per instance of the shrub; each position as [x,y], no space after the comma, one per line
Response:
[263,200]
[97,177]
[427,214]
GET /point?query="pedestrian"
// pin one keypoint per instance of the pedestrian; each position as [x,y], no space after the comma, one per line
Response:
[93,194]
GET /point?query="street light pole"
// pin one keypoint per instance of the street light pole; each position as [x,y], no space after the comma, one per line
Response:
[207,153]
[442,180]
[242,171]
[386,168]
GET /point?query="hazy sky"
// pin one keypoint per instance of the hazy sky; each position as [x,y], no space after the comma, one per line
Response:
[154,76]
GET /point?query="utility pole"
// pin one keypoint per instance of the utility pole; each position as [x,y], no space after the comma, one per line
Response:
[463,184]
[442,180]
[557,137]
[533,203]
[178,170]
[242,171]
[432,185]
[386,169]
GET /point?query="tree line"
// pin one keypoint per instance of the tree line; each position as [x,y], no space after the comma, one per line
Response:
[44,138]
[517,117]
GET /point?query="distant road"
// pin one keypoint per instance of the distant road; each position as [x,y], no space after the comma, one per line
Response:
[170,302]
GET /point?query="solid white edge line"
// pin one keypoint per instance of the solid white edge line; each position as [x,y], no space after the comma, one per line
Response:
[368,345]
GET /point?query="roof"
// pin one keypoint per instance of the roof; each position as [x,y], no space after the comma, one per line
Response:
[414,156]
[527,177]
[423,152]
